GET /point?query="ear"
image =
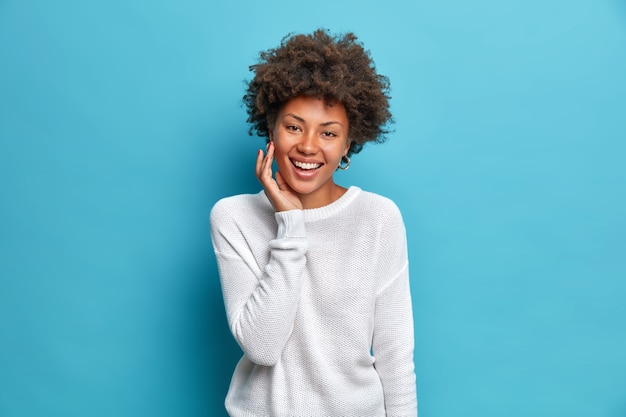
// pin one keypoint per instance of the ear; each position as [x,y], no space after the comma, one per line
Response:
[347,148]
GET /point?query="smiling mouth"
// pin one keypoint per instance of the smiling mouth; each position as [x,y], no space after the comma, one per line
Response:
[307,166]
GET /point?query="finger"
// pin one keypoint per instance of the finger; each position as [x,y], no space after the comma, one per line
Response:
[264,166]
[269,158]
[259,164]
[282,184]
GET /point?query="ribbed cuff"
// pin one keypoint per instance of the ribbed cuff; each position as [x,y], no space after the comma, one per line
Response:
[290,224]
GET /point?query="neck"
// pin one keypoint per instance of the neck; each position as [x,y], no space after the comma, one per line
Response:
[323,198]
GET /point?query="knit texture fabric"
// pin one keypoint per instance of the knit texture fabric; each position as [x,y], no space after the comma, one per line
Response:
[319,301]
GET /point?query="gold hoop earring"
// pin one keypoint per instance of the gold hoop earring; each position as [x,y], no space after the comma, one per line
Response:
[345,159]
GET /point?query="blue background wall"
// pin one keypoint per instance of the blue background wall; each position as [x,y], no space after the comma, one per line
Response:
[121,125]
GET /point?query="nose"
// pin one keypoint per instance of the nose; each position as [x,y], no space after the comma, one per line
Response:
[308,144]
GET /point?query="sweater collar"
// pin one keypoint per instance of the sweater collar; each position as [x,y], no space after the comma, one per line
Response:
[320,213]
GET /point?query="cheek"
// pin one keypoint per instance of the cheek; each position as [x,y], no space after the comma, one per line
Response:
[280,156]
[279,151]
[336,151]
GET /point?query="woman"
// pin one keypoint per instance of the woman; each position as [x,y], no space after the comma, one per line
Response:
[315,275]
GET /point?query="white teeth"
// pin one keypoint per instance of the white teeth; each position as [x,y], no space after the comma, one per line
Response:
[303,165]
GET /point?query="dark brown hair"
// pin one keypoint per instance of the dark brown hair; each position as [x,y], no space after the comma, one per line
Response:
[335,68]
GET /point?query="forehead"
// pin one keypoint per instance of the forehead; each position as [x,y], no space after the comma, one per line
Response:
[313,109]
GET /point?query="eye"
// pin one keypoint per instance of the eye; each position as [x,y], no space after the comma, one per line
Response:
[292,128]
[329,134]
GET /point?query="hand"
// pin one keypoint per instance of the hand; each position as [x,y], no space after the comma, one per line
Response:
[277,190]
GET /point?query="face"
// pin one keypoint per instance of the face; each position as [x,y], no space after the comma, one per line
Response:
[310,138]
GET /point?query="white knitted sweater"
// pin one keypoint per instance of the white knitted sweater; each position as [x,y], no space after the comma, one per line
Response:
[319,301]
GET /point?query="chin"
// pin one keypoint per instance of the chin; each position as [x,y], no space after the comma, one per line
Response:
[303,190]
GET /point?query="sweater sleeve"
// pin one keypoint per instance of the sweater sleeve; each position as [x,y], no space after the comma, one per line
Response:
[261,301]
[393,341]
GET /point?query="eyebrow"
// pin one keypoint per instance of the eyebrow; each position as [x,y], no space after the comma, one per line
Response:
[301,120]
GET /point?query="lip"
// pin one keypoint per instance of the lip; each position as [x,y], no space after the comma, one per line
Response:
[302,173]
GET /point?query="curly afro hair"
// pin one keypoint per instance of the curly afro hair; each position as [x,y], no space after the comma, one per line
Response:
[335,68]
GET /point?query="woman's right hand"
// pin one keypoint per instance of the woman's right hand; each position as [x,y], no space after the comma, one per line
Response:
[277,190]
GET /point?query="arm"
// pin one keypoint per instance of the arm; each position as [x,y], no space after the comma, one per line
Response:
[261,304]
[393,347]
[393,341]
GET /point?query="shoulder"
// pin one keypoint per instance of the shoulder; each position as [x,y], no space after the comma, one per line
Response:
[234,203]
[238,208]
[377,205]
[385,229]
[381,215]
